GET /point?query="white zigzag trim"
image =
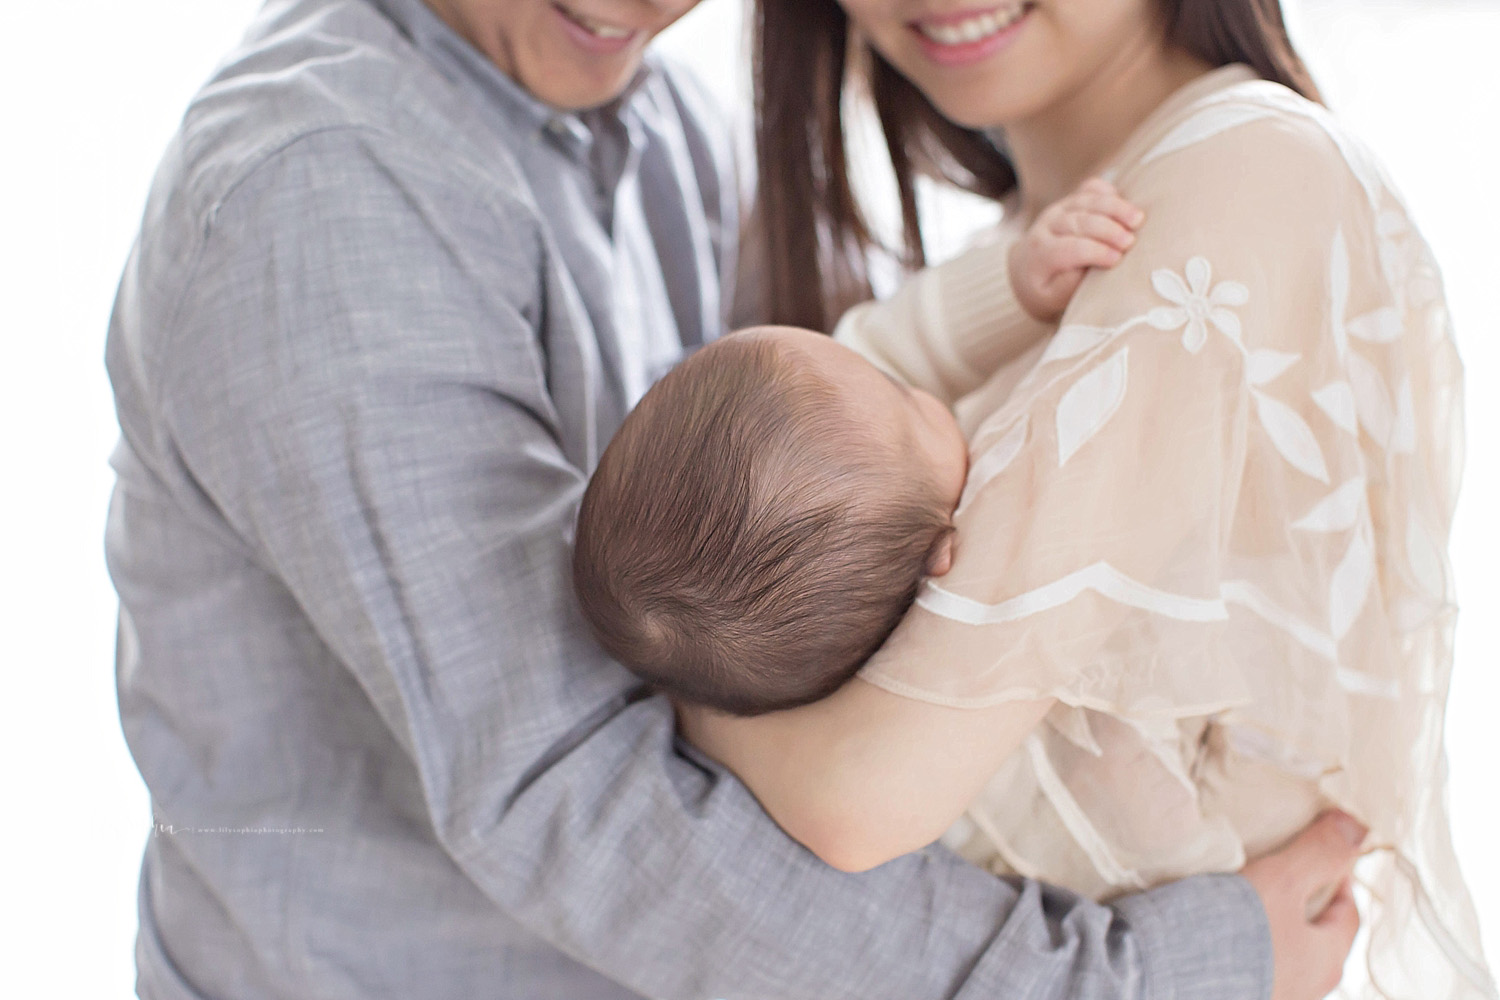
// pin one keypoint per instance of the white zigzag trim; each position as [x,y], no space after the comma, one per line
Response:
[1252,598]
[1101,578]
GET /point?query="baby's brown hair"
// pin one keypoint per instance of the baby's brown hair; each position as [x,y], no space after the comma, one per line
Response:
[742,545]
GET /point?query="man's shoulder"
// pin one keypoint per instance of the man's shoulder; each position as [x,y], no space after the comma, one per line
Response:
[334,71]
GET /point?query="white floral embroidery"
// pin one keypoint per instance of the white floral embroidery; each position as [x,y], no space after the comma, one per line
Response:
[995,459]
[1372,400]
[1264,366]
[1291,436]
[1383,326]
[1089,403]
[1196,304]
[1349,587]
[1404,423]
[1339,511]
[1337,400]
[1425,558]
[1338,290]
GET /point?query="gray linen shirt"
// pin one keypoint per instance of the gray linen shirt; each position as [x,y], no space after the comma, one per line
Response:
[384,311]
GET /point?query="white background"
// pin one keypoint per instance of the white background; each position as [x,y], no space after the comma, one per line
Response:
[92,90]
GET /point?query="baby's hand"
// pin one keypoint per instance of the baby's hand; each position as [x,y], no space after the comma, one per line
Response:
[1092,227]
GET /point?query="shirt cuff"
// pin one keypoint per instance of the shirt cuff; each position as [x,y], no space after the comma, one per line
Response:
[1205,936]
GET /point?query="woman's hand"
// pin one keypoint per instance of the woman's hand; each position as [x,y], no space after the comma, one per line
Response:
[1305,889]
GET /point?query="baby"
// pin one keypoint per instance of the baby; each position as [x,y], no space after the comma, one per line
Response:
[762,519]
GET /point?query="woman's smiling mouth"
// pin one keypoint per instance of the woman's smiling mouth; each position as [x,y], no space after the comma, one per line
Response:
[968,28]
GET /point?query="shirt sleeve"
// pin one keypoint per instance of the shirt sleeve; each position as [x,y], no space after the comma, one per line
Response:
[948,328]
[397,463]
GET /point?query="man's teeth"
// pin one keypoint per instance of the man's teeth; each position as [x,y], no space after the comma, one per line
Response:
[598,28]
[972,29]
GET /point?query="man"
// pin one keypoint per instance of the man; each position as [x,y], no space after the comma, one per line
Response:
[403,271]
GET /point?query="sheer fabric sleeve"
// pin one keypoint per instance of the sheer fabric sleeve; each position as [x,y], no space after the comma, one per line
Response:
[1095,530]
[1224,493]
[948,328]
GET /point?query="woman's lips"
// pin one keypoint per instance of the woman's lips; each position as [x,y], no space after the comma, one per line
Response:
[969,36]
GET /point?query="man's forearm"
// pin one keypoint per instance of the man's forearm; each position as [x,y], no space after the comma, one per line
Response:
[664,873]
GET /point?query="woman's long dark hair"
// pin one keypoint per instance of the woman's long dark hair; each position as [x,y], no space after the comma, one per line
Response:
[815,238]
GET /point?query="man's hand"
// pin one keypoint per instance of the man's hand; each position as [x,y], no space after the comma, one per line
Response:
[1305,889]
[1092,227]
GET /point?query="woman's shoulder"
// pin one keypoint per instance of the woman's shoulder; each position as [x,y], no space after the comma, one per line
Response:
[1258,138]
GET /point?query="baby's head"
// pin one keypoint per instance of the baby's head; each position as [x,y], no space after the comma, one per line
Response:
[762,519]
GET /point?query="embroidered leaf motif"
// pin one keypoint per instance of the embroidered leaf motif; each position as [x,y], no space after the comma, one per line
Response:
[1425,559]
[1338,290]
[1372,400]
[1337,400]
[1379,327]
[1089,404]
[1073,340]
[1263,366]
[1349,586]
[1167,317]
[1338,511]
[1404,426]
[1291,436]
[997,457]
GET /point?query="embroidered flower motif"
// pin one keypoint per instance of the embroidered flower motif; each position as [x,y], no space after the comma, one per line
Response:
[1196,305]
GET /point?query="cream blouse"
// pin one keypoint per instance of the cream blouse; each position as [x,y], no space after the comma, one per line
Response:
[1209,515]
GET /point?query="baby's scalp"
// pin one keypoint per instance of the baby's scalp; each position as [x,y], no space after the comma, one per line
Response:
[746,542]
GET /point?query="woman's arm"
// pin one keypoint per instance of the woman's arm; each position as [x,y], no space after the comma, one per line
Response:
[864,776]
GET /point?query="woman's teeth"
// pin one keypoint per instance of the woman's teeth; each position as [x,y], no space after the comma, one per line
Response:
[598,29]
[973,29]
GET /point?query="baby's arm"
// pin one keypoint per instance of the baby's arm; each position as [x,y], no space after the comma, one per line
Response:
[1092,227]
[950,327]
[865,776]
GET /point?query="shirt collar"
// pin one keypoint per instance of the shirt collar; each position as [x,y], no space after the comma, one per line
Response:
[460,62]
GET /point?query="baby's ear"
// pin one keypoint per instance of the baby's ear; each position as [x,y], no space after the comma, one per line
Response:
[940,559]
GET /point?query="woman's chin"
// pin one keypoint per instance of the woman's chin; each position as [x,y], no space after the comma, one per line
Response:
[967,112]
[982,106]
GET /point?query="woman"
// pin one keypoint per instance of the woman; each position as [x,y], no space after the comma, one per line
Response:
[1203,536]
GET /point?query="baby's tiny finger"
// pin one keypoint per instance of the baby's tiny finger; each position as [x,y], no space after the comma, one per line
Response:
[1112,205]
[1102,228]
[1078,252]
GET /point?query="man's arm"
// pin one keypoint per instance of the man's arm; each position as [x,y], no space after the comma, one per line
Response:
[368,404]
